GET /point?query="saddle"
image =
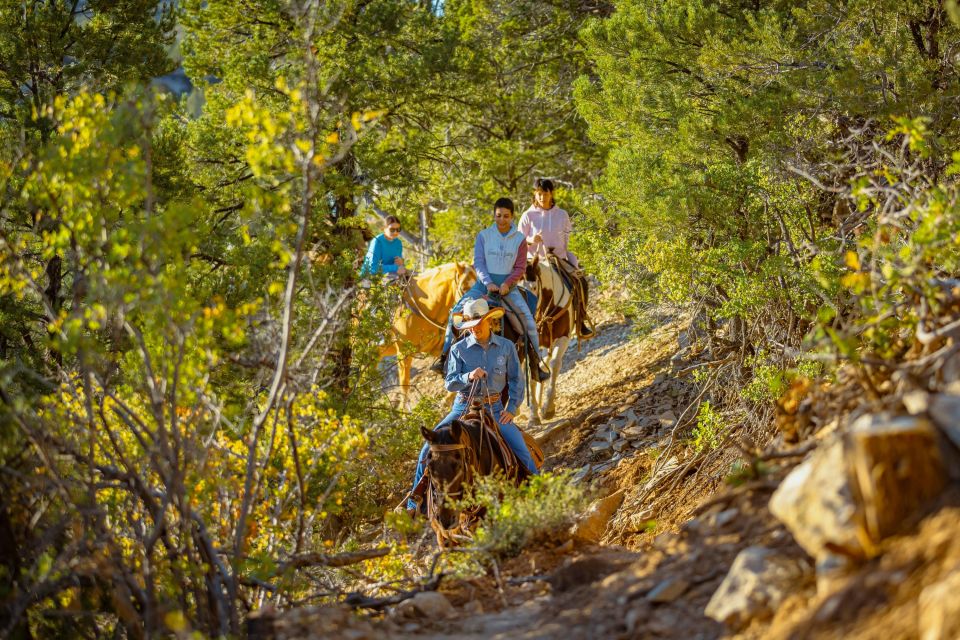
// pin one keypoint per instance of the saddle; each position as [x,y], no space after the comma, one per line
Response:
[477,411]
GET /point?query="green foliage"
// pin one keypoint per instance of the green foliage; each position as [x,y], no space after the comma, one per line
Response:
[733,131]
[710,430]
[769,380]
[541,508]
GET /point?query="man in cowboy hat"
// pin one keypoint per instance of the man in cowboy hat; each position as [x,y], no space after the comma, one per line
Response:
[490,362]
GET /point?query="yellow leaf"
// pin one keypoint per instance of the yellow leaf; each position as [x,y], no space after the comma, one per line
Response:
[852,260]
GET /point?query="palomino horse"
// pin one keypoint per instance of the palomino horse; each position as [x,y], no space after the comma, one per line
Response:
[422,318]
[554,323]
[469,447]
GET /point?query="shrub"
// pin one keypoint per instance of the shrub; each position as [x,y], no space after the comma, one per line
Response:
[708,434]
[517,516]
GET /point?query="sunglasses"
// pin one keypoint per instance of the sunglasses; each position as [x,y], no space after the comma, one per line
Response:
[393,229]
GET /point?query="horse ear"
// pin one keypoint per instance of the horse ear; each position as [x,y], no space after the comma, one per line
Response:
[428,435]
[455,430]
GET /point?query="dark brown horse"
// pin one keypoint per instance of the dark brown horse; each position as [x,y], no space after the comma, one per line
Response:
[469,447]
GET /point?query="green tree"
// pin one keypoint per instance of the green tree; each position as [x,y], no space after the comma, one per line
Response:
[735,129]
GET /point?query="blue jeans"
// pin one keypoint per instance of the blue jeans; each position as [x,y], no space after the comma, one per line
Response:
[510,433]
[478,290]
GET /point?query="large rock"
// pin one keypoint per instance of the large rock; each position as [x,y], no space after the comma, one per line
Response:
[897,468]
[590,526]
[854,491]
[757,583]
[426,604]
[945,411]
[940,609]
[816,503]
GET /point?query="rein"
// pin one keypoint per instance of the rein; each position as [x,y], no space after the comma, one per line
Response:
[410,301]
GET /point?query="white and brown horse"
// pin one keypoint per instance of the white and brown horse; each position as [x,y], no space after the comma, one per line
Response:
[421,319]
[554,324]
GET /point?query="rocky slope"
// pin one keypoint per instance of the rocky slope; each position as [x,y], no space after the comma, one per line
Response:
[836,520]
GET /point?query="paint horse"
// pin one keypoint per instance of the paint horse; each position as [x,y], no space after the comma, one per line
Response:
[554,318]
[419,322]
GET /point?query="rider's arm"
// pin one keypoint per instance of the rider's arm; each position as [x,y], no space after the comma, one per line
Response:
[372,262]
[514,380]
[519,265]
[525,226]
[480,261]
[457,378]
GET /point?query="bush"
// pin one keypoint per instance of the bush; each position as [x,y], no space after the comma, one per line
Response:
[518,516]
[708,434]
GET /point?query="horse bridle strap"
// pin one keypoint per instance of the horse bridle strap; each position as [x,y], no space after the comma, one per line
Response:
[447,447]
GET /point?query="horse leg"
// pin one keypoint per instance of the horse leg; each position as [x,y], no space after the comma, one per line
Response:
[555,357]
[404,364]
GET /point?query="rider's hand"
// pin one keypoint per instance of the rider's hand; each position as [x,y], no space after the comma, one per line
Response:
[538,238]
[398,261]
[492,288]
[504,289]
[506,417]
[477,374]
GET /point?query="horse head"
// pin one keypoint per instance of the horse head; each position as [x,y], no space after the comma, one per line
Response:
[530,273]
[450,463]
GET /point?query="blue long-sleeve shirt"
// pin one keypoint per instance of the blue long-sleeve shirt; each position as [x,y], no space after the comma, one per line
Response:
[380,256]
[499,359]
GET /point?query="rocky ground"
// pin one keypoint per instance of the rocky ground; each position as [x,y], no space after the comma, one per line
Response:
[837,520]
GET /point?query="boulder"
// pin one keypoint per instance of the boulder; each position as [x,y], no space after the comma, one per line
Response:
[816,504]
[897,468]
[426,604]
[854,491]
[940,609]
[757,583]
[592,523]
[945,411]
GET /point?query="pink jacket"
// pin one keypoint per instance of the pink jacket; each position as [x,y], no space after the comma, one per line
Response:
[554,227]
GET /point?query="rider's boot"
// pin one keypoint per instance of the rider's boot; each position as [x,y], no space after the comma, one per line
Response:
[585,330]
[541,372]
[440,364]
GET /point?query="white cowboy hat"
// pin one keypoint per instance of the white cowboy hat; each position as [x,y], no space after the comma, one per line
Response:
[474,312]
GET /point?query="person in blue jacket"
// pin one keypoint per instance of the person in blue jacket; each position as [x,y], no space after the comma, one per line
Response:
[385,254]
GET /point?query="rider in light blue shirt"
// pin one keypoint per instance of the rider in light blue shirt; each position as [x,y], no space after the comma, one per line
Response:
[385,254]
